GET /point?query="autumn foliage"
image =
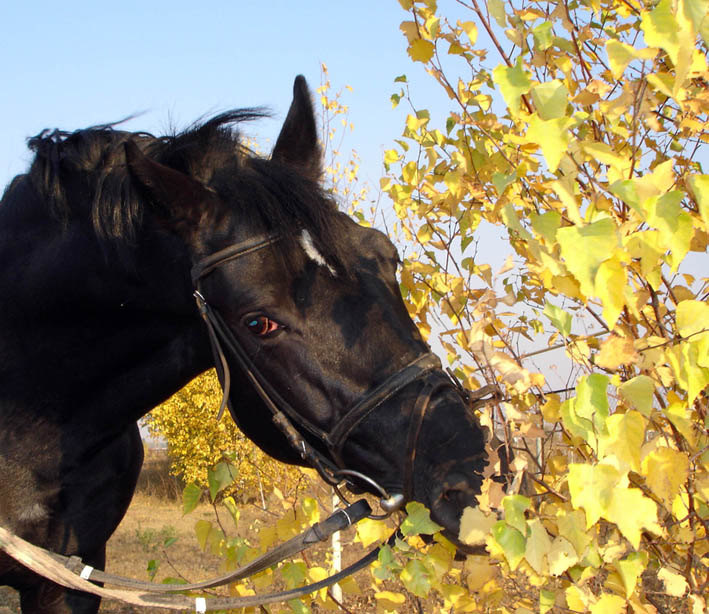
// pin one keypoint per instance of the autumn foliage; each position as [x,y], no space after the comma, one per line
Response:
[577,130]
[575,138]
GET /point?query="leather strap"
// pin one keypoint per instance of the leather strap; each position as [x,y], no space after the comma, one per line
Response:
[45,564]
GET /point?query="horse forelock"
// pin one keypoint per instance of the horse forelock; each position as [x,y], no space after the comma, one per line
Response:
[84,173]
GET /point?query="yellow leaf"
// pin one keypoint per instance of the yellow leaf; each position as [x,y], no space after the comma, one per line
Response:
[550,99]
[591,487]
[572,526]
[675,584]
[674,224]
[561,556]
[480,571]
[584,248]
[349,586]
[424,233]
[692,318]
[620,55]
[475,526]
[410,30]
[633,512]
[421,50]
[626,435]
[552,136]
[610,284]
[630,569]
[666,28]
[578,598]
[699,604]
[370,531]
[388,601]
[538,545]
[700,190]
[639,392]
[550,409]
[471,29]
[609,604]
[665,471]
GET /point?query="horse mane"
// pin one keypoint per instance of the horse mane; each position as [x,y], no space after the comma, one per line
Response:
[85,173]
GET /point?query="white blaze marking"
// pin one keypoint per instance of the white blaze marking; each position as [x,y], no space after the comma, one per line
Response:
[306,242]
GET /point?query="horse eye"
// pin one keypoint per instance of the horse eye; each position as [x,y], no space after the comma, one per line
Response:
[261,325]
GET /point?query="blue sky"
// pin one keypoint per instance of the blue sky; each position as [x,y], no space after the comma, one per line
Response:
[74,64]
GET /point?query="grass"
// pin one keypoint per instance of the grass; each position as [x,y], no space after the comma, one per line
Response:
[155,540]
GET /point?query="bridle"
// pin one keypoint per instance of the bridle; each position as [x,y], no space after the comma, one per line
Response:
[289,420]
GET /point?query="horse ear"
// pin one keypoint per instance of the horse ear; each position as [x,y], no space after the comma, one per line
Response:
[181,199]
[297,144]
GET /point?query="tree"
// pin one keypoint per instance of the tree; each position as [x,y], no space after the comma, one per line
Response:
[578,130]
[202,449]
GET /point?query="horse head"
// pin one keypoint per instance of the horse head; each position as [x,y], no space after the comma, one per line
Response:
[310,324]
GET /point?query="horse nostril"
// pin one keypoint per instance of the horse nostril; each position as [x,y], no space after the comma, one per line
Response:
[450,498]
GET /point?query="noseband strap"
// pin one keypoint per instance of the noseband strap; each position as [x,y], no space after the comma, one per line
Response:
[290,421]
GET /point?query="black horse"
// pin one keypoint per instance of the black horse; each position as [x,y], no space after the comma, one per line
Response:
[98,324]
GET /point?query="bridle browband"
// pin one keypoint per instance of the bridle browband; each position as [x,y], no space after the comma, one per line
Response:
[290,421]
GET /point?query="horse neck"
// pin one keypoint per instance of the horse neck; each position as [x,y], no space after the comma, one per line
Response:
[91,332]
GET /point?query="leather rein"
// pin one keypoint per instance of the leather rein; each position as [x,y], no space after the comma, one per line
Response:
[289,420]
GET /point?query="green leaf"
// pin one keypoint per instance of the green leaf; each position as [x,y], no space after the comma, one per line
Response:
[190,497]
[152,568]
[294,574]
[416,578]
[219,477]
[639,392]
[513,82]
[501,181]
[299,606]
[547,599]
[585,414]
[546,224]
[543,35]
[511,541]
[418,520]
[515,506]
[560,319]
[388,565]
[551,99]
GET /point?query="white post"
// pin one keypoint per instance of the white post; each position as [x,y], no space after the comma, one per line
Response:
[336,554]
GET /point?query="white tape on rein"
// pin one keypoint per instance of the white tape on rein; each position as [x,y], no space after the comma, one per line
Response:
[86,572]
